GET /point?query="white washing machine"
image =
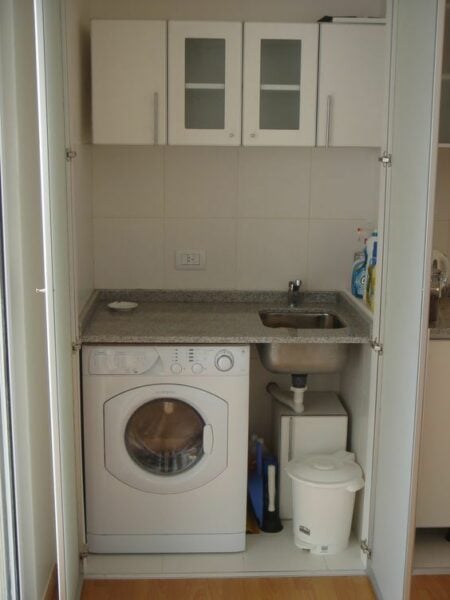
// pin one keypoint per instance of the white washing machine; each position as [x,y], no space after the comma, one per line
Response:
[165,448]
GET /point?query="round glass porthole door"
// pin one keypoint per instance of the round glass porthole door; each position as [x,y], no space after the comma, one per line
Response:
[165,436]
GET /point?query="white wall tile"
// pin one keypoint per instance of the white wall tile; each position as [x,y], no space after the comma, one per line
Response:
[274,182]
[332,245]
[442,207]
[201,182]
[271,252]
[128,181]
[344,183]
[128,253]
[217,237]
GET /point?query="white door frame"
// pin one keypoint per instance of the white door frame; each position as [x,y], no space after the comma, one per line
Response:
[9,568]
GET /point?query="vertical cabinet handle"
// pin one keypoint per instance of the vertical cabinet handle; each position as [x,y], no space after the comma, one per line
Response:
[155,118]
[328,121]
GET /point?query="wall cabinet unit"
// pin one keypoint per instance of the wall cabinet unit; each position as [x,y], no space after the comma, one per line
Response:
[351,85]
[205,87]
[129,82]
[280,84]
[433,498]
[205,83]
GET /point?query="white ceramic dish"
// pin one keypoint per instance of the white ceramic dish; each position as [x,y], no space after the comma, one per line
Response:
[122,306]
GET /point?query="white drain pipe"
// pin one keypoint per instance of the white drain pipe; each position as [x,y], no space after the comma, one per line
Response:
[293,399]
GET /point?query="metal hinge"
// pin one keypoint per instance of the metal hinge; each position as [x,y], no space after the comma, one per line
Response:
[376,345]
[84,551]
[366,549]
[70,154]
[76,347]
[385,159]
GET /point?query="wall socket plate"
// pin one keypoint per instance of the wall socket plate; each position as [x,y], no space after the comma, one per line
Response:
[190,260]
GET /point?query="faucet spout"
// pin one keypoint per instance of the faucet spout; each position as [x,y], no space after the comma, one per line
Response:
[294,292]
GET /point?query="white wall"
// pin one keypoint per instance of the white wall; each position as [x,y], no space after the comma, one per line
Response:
[237,10]
[25,308]
[263,215]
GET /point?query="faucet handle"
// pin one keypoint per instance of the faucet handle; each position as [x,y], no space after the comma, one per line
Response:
[295,285]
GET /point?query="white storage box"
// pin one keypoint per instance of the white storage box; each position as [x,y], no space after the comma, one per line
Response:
[324,487]
[321,428]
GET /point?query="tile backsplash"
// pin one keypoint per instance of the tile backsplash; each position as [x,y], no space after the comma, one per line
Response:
[263,215]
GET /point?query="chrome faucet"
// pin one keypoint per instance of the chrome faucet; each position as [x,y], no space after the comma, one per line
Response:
[294,292]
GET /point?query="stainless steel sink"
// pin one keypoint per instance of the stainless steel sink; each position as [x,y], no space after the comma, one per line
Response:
[296,320]
[302,358]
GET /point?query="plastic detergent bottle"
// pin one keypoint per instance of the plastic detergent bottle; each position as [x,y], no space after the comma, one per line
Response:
[359,274]
[371,276]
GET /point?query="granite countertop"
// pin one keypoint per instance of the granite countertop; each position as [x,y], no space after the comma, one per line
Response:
[440,329]
[184,317]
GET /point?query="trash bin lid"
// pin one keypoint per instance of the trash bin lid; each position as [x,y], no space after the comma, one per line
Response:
[325,470]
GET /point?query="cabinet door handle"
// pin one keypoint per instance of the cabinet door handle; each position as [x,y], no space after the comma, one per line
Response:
[328,121]
[155,118]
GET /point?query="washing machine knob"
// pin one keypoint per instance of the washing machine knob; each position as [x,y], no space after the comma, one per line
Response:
[176,368]
[224,361]
[197,368]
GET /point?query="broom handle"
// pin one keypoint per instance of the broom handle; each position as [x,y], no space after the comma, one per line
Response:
[271,487]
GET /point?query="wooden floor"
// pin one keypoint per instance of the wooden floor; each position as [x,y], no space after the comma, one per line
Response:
[284,588]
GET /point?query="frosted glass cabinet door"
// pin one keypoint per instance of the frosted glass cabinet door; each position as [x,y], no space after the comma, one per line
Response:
[205,66]
[280,84]
[352,84]
[129,82]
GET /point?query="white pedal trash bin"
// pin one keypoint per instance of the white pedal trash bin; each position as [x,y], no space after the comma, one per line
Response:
[324,488]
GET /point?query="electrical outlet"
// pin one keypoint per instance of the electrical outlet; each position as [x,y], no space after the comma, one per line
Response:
[190,260]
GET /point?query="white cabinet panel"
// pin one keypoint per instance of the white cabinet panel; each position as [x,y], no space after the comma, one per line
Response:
[280,84]
[129,82]
[351,85]
[205,66]
[433,499]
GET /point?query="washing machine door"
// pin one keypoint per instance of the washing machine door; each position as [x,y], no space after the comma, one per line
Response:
[165,438]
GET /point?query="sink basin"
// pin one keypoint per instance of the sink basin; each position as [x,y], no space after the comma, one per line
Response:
[297,320]
[302,358]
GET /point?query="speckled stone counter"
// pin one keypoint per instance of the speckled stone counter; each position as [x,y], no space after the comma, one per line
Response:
[222,317]
[440,329]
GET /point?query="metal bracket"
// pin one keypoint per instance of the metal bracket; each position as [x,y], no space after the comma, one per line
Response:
[385,159]
[70,154]
[366,549]
[376,345]
[84,551]
[76,347]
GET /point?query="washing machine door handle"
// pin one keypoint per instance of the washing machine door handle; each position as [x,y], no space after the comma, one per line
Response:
[208,439]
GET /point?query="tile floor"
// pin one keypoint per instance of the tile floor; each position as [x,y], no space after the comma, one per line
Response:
[268,554]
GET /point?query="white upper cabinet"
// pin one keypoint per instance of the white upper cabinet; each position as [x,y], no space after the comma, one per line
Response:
[205,64]
[280,84]
[351,85]
[129,82]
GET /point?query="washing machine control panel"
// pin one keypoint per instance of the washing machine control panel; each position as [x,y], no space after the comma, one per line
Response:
[173,361]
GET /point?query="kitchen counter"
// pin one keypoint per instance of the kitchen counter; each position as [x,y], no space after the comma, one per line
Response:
[222,317]
[440,329]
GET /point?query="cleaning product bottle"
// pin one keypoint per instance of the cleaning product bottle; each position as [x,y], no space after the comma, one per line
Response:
[371,278]
[359,274]
[358,283]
